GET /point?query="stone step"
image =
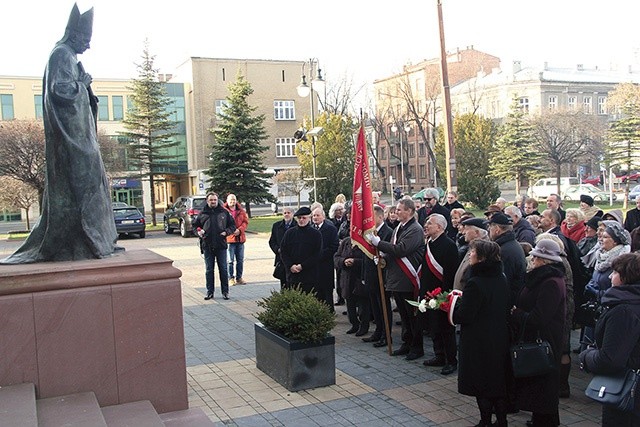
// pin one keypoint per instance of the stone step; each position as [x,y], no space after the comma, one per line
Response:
[134,414]
[193,417]
[73,410]
[18,405]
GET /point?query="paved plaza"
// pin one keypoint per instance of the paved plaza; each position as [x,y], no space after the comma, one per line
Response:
[372,388]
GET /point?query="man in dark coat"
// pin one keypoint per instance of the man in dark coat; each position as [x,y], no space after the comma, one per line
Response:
[213,225]
[403,257]
[632,220]
[452,201]
[277,233]
[522,228]
[326,276]
[432,206]
[531,207]
[371,280]
[513,259]
[554,202]
[300,252]
[438,271]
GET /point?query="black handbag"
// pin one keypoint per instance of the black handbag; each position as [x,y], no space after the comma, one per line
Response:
[531,359]
[279,272]
[614,390]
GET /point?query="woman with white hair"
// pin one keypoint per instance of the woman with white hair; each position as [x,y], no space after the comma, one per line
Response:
[336,214]
[573,226]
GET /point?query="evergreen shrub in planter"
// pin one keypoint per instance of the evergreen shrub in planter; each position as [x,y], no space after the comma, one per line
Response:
[293,345]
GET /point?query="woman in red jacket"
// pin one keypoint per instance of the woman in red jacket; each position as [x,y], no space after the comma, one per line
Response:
[236,240]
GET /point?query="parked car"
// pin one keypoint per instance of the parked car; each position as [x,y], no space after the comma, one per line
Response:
[420,194]
[129,220]
[593,180]
[633,176]
[182,213]
[544,187]
[573,192]
[119,205]
[633,193]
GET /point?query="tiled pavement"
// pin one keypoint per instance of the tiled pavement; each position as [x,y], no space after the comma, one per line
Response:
[372,389]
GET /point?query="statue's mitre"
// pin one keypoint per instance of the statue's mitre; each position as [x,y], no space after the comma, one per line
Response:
[81,23]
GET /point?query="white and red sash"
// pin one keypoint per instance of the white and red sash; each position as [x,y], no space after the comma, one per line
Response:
[407,268]
[433,264]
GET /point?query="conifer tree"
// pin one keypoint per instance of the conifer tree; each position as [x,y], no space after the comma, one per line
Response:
[514,155]
[236,164]
[474,137]
[148,127]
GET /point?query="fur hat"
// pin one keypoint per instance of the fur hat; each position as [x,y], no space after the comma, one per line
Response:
[585,198]
[617,233]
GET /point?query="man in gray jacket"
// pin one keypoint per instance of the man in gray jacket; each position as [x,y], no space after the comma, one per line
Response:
[403,257]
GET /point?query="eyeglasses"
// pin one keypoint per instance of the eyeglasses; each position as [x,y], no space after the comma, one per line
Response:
[428,199]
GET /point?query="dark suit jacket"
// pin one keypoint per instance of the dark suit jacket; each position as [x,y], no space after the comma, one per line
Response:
[370,269]
[277,233]
[329,247]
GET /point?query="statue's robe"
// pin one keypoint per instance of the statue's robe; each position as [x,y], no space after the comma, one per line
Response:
[77,219]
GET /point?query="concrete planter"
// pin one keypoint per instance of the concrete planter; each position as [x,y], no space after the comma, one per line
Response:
[295,365]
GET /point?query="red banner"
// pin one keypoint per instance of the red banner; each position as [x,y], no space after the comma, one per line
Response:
[362,221]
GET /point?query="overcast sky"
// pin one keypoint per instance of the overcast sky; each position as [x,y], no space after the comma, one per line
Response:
[364,40]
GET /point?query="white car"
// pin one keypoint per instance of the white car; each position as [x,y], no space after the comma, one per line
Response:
[573,192]
[544,187]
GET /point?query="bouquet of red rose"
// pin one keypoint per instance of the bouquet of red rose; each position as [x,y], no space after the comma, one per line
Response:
[437,299]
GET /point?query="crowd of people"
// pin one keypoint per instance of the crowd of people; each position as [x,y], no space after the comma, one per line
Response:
[522,270]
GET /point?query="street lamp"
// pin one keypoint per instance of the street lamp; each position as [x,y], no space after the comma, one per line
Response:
[395,129]
[304,90]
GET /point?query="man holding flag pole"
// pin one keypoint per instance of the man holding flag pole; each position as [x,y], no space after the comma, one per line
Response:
[403,254]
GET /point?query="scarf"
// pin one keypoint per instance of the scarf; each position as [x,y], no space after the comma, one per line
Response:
[605,258]
[589,212]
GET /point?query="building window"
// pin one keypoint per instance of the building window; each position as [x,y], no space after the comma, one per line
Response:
[285,147]
[412,150]
[422,149]
[587,104]
[103,108]
[37,101]
[383,153]
[221,104]
[423,171]
[602,105]
[284,110]
[412,172]
[553,102]
[118,107]
[6,107]
[572,102]
[523,104]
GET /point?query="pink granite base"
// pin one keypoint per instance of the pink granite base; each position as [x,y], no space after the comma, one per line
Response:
[112,326]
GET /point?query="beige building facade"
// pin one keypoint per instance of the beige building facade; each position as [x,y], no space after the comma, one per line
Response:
[274,96]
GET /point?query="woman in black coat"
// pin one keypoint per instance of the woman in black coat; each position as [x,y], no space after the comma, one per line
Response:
[617,334]
[484,337]
[542,302]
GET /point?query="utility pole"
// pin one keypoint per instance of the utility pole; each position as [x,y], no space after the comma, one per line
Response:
[449,147]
